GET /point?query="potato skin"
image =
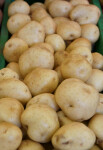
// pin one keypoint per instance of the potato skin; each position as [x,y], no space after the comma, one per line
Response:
[42,122]
[36,5]
[41,80]
[72,136]
[11,134]
[78,2]
[100,105]
[95,147]
[58,70]
[59,20]
[97,61]
[77,102]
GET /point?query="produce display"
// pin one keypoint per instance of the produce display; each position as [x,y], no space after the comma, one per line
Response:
[51,87]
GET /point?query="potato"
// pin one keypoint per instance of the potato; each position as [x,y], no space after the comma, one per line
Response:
[30,145]
[38,14]
[11,110]
[74,136]
[18,7]
[41,80]
[17,21]
[100,105]
[97,61]
[78,2]
[48,24]
[78,105]
[14,35]
[36,5]
[96,79]
[83,51]
[59,20]
[35,57]
[7,73]
[56,42]
[45,46]
[58,70]
[59,57]
[63,119]
[14,48]
[10,136]
[32,33]
[47,2]
[85,14]
[14,88]
[90,32]
[45,98]
[15,67]
[69,30]
[79,42]
[95,147]
[59,8]
[41,122]
[76,66]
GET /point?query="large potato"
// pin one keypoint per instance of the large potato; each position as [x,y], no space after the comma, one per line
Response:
[96,79]
[85,14]
[14,48]
[30,145]
[18,7]
[69,30]
[97,61]
[48,24]
[7,73]
[74,136]
[90,32]
[14,88]
[36,5]
[100,105]
[11,110]
[17,21]
[77,100]
[58,70]
[59,8]
[15,67]
[35,57]
[78,2]
[79,42]
[41,122]
[10,136]
[41,80]
[59,20]
[32,33]
[45,98]
[56,42]
[76,66]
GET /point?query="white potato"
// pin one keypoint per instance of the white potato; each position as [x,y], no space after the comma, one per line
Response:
[97,61]
[100,105]
[59,20]
[36,5]
[58,70]
[78,2]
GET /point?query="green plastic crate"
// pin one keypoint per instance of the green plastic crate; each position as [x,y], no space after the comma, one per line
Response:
[5,35]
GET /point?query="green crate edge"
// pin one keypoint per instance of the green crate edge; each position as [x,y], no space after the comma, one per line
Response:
[5,35]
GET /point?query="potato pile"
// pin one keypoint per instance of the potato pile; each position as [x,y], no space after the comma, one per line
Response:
[50,90]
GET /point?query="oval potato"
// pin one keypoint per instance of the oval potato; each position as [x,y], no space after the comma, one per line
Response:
[97,61]
[36,5]
[78,2]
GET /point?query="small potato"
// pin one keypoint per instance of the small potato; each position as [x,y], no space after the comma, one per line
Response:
[78,2]
[90,32]
[58,70]
[14,48]
[30,145]
[100,105]
[10,136]
[17,21]
[48,24]
[59,8]
[15,67]
[63,119]
[18,7]
[95,147]
[36,5]
[85,14]
[96,79]
[56,42]
[83,51]
[41,80]
[74,136]
[59,20]
[41,122]
[59,57]
[45,98]
[79,42]
[76,99]
[76,66]
[32,33]
[7,73]
[69,31]
[38,14]
[14,88]
[97,61]
[35,57]
[11,110]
